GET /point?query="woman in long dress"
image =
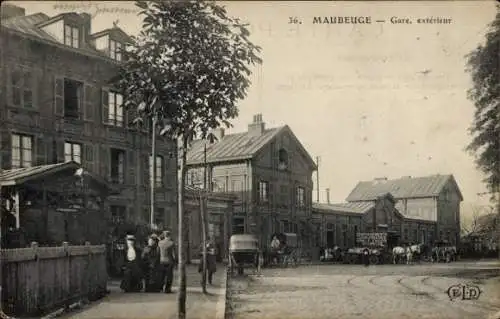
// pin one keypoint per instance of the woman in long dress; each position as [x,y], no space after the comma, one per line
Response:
[152,268]
[132,279]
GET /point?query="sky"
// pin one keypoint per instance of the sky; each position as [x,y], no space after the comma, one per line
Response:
[371,100]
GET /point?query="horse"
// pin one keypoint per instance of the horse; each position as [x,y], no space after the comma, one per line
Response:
[413,250]
[399,252]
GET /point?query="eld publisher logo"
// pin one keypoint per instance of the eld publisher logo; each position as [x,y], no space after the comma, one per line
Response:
[464,292]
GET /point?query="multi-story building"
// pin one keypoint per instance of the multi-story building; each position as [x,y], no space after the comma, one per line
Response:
[430,205]
[56,105]
[270,173]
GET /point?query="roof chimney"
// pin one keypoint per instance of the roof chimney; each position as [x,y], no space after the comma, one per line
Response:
[257,127]
[11,11]
[380,179]
[328,196]
[218,133]
[87,24]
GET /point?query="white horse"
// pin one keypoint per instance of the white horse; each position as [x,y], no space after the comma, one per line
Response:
[413,250]
[399,252]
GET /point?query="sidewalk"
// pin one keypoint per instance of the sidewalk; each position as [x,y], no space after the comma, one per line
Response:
[118,305]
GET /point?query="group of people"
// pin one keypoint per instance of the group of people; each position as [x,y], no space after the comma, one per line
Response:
[152,268]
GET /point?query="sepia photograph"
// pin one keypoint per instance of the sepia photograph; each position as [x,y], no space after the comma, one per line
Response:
[250,159]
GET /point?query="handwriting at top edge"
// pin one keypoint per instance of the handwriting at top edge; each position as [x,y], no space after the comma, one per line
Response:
[93,8]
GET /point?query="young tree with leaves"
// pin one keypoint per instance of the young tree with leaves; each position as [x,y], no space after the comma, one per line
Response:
[484,66]
[188,68]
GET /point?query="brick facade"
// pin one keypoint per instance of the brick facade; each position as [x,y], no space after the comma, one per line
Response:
[48,65]
[269,197]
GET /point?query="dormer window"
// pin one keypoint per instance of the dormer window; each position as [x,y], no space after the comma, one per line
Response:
[72,36]
[115,50]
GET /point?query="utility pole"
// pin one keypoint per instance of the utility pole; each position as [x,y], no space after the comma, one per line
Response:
[317,179]
[2,315]
[203,207]
[152,169]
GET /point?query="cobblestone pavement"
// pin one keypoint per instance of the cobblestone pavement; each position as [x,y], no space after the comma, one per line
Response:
[355,291]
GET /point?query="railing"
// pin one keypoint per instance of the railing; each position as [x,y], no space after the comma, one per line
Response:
[39,280]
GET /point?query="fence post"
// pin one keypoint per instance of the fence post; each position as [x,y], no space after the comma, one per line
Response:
[67,273]
[36,277]
[90,272]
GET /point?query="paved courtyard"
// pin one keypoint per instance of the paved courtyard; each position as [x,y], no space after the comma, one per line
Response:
[355,291]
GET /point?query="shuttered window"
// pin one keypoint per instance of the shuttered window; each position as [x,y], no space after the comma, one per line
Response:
[89,157]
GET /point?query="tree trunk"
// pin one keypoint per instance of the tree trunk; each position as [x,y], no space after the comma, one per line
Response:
[181,297]
[204,241]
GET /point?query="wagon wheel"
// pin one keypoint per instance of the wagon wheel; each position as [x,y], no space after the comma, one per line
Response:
[374,259]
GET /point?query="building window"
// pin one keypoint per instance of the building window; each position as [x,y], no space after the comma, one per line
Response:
[117,213]
[406,234]
[156,170]
[115,114]
[159,217]
[115,50]
[72,152]
[301,200]
[282,159]
[263,191]
[238,225]
[285,226]
[73,98]
[117,166]
[22,151]
[422,236]
[21,88]
[71,36]
[415,235]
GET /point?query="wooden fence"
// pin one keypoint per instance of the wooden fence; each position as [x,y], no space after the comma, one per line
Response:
[39,280]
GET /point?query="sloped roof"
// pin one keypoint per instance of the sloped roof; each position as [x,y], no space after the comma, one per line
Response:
[29,25]
[352,208]
[405,187]
[231,147]
[17,176]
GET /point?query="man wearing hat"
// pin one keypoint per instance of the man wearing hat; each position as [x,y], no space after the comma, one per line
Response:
[167,259]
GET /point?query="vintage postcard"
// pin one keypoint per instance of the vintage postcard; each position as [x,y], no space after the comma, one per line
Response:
[250,159]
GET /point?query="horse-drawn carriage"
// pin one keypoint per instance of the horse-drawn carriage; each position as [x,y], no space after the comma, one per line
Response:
[375,243]
[284,251]
[244,252]
[355,255]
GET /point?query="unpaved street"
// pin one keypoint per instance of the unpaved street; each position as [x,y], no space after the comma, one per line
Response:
[354,291]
